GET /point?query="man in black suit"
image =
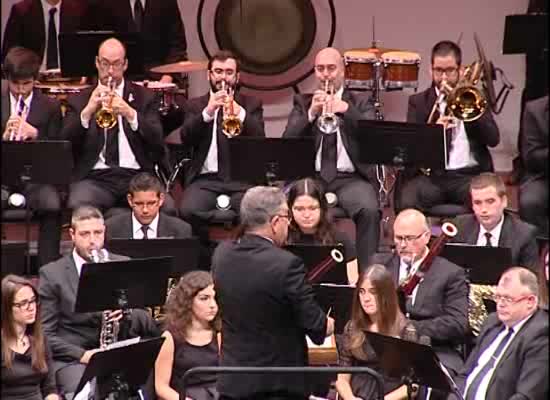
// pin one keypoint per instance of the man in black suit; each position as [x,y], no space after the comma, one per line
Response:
[158,21]
[267,315]
[32,23]
[490,225]
[337,160]
[510,360]
[106,160]
[468,153]
[438,307]
[208,175]
[533,193]
[145,197]
[27,114]
[74,337]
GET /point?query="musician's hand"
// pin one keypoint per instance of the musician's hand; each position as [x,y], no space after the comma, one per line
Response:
[25,131]
[330,326]
[339,106]
[317,102]
[114,316]
[215,101]
[94,103]
[120,107]
[236,108]
[447,121]
[166,79]
[11,125]
[85,359]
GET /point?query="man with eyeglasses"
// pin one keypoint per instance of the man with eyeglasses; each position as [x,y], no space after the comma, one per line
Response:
[467,142]
[208,173]
[337,163]
[438,306]
[510,359]
[107,159]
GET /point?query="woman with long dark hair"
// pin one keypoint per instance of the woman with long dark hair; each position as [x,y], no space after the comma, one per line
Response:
[191,326]
[375,308]
[311,223]
[27,371]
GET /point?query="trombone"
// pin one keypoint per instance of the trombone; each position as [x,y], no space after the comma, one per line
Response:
[105,116]
[328,122]
[231,124]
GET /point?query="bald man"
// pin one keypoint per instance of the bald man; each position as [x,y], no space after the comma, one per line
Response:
[438,306]
[106,161]
[337,162]
[510,360]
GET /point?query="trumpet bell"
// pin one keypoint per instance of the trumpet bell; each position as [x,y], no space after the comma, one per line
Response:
[231,126]
[328,123]
[105,118]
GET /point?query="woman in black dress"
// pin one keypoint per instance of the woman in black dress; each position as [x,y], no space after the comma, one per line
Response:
[311,224]
[374,309]
[191,327]
[27,371]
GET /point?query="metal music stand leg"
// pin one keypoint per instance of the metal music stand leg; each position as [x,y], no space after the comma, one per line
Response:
[28,237]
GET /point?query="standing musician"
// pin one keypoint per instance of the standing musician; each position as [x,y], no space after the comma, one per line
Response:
[36,24]
[107,159]
[267,308]
[468,154]
[27,114]
[208,173]
[438,306]
[337,159]
[75,337]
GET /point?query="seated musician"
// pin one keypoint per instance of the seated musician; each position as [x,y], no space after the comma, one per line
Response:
[145,221]
[510,359]
[337,159]
[374,309]
[533,192]
[491,225]
[208,174]
[27,370]
[311,224]
[75,337]
[192,323]
[468,153]
[438,306]
[107,159]
[27,114]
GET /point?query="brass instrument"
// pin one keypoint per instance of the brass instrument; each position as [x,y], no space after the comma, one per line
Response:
[105,117]
[14,127]
[158,311]
[328,122]
[477,312]
[109,329]
[231,124]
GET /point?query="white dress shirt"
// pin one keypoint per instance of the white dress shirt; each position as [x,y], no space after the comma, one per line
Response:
[343,160]
[403,274]
[152,232]
[46,7]
[485,357]
[126,157]
[495,234]
[78,261]
[132,4]
[14,107]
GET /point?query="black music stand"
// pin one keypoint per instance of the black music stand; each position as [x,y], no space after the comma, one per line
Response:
[267,160]
[85,44]
[402,144]
[337,299]
[124,284]
[41,162]
[184,252]
[525,33]
[317,256]
[414,363]
[13,258]
[121,371]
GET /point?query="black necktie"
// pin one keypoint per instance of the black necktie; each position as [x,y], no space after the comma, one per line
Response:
[138,15]
[328,158]
[474,386]
[145,228]
[51,51]
[111,149]
[488,239]
[408,303]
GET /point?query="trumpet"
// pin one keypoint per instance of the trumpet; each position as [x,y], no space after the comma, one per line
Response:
[105,117]
[231,124]
[14,126]
[328,122]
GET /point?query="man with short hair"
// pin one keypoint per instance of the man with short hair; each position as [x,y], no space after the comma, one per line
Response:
[267,307]
[337,162]
[74,337]
[145,221]
[510,359]
[491,225]
[27,114]
[467,145]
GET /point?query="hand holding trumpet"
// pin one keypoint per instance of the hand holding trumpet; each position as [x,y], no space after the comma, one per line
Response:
[18,129]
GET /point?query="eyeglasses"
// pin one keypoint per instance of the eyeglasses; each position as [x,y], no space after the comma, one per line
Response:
[452,71]
[106,64]
[26,304]
[220,71]
[330,68]
[301,209]
[287,216]
[408,238]
[507,300]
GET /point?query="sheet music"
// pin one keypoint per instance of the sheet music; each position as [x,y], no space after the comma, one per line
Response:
[327,344]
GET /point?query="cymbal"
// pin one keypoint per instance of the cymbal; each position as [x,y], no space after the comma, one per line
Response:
[181,67]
